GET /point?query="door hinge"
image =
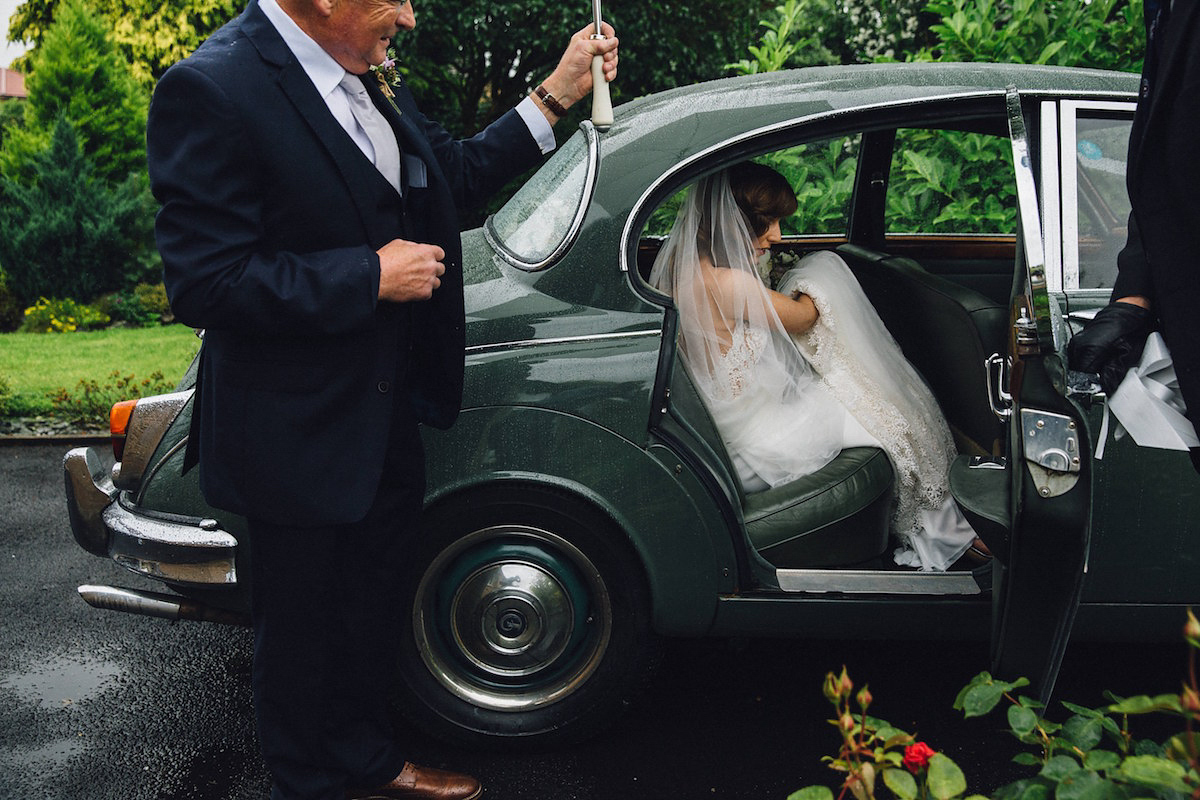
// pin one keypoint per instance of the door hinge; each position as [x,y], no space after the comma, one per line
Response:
[1051,450]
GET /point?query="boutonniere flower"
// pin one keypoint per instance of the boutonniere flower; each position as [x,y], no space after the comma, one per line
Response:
[387,73]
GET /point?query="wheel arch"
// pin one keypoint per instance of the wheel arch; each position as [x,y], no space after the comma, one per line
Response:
[686,558]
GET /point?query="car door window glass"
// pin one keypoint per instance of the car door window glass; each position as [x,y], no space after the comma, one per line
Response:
[1102,203]
[949,181]
[544,213]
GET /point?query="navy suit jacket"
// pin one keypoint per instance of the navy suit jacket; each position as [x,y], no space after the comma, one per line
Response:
[269,224]
[1162,257]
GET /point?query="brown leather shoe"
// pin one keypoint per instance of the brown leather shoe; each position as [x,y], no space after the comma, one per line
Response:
[422,783]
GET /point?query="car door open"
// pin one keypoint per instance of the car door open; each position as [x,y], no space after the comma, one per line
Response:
[1033,506]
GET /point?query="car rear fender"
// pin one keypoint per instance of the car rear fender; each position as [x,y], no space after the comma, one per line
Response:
[663,511]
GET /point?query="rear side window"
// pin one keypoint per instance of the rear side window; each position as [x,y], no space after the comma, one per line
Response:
[822,174]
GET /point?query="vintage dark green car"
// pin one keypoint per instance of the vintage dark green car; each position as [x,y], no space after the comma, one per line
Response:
[584,505]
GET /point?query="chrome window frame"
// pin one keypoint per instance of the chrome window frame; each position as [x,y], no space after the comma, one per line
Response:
[1051,198]
[585,201]
[1068,216]
[628,234]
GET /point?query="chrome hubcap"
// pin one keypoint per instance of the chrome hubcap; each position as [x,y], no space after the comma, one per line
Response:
[512,618]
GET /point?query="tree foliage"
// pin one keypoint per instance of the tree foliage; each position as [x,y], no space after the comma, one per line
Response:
[804,33]
[150,36]
[468,62]
[77,74]
[1105,34]
[66,232]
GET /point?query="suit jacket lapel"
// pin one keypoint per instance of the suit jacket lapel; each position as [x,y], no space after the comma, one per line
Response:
[356,170]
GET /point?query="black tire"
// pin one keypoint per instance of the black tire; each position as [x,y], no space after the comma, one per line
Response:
[526,621]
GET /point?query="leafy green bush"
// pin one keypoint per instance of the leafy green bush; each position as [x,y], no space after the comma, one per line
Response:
[784,42]
[141,307]
[153,296]
[822,175]
[88,405]
[1106,34]
[949,182]
[62,316]
[1093,755]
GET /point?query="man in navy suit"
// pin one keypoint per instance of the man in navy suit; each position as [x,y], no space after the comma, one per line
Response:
[1158,280]
[312,231]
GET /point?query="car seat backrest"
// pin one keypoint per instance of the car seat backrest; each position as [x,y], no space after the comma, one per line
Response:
[946,330]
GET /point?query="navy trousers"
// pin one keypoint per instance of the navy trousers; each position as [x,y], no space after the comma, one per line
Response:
[325,610]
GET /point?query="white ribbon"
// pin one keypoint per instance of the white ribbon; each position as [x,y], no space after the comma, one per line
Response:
[1149,405]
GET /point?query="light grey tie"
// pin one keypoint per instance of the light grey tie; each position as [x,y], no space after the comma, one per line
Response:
[383,139]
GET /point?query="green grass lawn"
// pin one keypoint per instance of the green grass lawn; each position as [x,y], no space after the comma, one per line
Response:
[35,364]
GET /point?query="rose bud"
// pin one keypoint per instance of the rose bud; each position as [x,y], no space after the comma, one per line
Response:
[1191,628]
[1190,699]
[830,689]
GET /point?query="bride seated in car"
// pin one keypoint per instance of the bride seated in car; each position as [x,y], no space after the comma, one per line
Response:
[794,376]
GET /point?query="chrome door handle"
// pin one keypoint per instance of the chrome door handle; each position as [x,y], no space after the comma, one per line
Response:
[1000,400]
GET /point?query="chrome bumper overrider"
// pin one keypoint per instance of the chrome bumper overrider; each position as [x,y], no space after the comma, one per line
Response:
[170,548]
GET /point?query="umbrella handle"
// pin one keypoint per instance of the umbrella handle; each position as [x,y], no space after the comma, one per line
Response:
[602,113]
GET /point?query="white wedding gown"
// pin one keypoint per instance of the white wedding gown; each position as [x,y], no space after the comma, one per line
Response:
[866,394]
[787,405]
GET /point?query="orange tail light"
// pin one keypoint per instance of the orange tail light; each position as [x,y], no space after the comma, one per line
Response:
[118,425]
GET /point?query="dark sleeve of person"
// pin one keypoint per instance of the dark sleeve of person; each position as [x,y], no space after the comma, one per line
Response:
[480,166]
[1133,271]
[220,270]
[1113,340]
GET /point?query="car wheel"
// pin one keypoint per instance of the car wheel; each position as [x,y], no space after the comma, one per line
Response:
[527,622]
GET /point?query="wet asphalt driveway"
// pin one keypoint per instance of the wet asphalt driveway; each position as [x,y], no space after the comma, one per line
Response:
[98,705]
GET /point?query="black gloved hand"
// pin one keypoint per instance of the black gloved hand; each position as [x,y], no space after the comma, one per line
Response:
[1111,343]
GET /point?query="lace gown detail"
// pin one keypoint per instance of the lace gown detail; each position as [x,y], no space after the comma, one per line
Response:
[737,363]
[863,368]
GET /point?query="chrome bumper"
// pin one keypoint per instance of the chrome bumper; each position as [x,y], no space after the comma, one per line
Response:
[171,548]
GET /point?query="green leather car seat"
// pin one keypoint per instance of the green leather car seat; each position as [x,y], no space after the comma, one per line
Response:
[835,517]
[946,330]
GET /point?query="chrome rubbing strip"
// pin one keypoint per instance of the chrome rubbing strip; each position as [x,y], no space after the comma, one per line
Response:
[596,337]
[194,552]
[585,202]
[861,581]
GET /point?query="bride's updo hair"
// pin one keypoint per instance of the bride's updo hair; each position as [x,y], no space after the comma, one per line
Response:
[762,194]
[759,192]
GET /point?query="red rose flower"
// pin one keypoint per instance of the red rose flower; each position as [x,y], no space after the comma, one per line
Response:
[916,756]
